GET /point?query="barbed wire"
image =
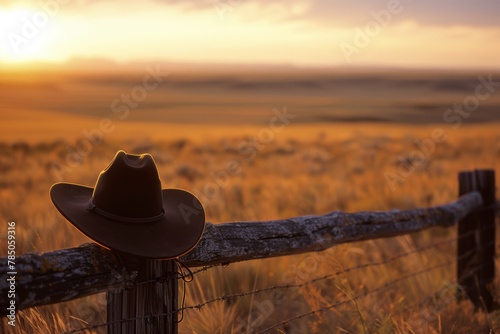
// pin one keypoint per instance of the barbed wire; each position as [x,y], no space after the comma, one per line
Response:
[383,287]
[324,277]
[181,275]
[430,297]
[178,275]
[298,285]
[289,286]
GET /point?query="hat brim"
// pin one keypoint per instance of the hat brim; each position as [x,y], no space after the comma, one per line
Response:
[175,234]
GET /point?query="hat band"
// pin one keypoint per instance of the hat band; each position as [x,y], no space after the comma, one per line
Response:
[93,208]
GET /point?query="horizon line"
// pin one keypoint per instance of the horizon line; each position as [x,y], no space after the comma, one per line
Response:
[75,62]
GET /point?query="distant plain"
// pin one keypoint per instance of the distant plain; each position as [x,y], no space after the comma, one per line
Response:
[348,130]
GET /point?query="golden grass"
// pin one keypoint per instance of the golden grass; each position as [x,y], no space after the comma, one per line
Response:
[305,169]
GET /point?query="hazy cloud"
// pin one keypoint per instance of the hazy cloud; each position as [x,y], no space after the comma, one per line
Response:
[440,13]
[334,12]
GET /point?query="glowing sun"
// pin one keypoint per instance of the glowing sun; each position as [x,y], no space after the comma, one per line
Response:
[25,33]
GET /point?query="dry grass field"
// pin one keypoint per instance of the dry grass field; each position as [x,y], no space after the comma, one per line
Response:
[294,170]
[351,142]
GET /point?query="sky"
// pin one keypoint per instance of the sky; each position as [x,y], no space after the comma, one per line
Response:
[415,34]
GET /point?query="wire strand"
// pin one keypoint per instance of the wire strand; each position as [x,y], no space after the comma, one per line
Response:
[181,275]
[358,296]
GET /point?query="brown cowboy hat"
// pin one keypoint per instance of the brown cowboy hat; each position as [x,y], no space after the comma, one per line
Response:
[128,211]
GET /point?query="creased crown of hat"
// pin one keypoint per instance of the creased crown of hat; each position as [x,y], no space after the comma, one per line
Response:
[128,210]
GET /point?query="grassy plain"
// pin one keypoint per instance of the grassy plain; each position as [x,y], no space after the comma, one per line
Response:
[350,131]
[301,169]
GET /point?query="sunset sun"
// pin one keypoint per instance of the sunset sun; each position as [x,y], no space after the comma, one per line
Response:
[25,35]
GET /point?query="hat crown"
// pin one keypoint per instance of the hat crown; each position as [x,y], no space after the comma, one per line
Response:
[129,187]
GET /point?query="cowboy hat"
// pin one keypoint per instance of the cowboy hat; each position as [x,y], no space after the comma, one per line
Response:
[128,211]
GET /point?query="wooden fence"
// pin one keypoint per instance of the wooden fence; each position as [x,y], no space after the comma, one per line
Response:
[136,303]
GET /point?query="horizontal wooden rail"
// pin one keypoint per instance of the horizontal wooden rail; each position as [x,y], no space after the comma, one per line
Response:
[52,277]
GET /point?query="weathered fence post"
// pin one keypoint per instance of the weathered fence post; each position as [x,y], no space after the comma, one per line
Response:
[476,243]
[150,305]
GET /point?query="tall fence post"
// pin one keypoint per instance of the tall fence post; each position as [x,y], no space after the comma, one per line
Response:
[150,305]
[476,239]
